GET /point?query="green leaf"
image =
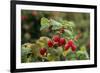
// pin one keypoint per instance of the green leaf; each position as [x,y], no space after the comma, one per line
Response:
[68,32]
[68,24]
[82,55]
[56,24]
[83,48]
[71,56]
[71,24]
[25,51]
[50,57]
[44,23]
[60,50]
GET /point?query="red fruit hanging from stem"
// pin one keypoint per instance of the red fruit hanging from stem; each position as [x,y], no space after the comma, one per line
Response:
[67,47]
[73,47]
[43,51]
[62,41]
[70,42]
[56,38]
[50,43]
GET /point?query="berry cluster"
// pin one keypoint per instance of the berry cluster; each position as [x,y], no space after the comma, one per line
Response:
[71,45]
[58,41]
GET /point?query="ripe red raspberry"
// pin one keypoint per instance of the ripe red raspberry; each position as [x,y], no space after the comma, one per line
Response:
[50,43]
[73,47]
[62,41]
[43,51]
[56,38]
[70,42]
[67,47]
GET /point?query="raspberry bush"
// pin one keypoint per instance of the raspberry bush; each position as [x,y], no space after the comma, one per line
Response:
[54,36]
